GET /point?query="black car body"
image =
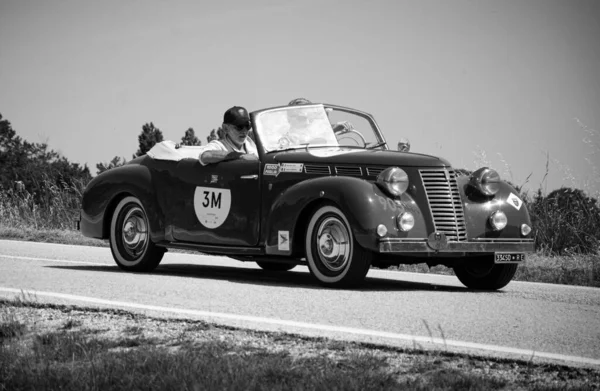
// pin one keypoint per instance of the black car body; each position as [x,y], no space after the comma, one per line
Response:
[330,194]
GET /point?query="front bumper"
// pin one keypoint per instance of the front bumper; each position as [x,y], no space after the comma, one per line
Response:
[439,244]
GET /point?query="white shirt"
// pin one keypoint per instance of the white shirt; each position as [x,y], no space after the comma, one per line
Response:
[226,145]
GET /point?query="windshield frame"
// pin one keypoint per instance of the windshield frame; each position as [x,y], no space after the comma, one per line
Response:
[255,115]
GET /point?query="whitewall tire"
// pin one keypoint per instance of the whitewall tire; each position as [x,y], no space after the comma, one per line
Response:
[130,242]
[334,257]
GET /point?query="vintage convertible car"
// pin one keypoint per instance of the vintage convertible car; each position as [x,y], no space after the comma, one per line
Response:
[326,191]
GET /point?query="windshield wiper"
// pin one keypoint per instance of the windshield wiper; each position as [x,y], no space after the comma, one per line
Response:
[381,144]
[288,148]
[306,146]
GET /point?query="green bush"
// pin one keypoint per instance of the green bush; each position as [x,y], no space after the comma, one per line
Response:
[566,221]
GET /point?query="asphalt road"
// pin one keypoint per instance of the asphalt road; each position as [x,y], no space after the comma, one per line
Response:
[540,321]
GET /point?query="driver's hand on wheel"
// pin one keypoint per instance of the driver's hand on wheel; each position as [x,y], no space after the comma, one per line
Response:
[342,127]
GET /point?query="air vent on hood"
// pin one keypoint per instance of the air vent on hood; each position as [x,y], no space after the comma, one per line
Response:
[317,169]
[348,171]
[374,171]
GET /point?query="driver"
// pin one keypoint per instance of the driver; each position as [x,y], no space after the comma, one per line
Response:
[234,142]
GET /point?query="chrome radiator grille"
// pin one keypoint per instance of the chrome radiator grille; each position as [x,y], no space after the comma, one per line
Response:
[445,203]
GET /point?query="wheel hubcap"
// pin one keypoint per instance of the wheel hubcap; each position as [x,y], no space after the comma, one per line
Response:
[333,244]
[134,232]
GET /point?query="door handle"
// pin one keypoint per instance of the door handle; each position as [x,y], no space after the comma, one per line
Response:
[255,176]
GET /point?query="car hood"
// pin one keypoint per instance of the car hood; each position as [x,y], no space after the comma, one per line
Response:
[360,157]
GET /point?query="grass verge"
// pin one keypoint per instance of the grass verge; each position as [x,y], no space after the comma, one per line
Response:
[576,269]
[61,236]
[44,346]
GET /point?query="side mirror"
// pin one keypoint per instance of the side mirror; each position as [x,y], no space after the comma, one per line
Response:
[403,145]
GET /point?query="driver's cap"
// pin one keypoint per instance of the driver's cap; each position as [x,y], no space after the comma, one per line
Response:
[237,116]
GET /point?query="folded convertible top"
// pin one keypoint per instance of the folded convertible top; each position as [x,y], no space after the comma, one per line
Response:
[166,150]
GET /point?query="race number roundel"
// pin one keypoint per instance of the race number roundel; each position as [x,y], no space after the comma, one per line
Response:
[212,206]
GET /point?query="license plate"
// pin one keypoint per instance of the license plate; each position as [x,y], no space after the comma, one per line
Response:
[509,258]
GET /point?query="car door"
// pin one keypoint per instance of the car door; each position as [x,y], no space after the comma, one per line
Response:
[221,204]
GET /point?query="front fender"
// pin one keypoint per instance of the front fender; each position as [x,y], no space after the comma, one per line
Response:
[104,192]
[479,208]
[358,199]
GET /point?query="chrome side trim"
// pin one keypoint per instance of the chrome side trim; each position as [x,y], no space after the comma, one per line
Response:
[512,240]
[422,246]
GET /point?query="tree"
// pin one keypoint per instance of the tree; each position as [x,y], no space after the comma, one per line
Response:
[212,136]
[215,134]
[34,166]
[190,138]
[115,162]
[149,136]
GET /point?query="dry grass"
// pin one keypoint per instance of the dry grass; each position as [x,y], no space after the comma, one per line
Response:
[61,236]
[57,208]
[74,348]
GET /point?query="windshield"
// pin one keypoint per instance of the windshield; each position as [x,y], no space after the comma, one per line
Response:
[294,126]
[298,126]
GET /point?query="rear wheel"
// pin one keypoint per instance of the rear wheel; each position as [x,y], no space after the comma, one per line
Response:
[130,242]
[483,274]
[333,255]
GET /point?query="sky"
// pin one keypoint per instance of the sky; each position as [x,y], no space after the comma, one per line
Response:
[510,84]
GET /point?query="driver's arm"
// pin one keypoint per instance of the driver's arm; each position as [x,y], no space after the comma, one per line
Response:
[208,157]
[215,152]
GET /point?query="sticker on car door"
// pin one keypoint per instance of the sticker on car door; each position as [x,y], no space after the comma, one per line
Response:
[212,206]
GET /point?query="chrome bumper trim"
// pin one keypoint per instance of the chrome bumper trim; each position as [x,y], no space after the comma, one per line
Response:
[482,245]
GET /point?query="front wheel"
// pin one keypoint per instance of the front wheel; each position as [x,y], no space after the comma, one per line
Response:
[482,273]
[334,257]
[130,242]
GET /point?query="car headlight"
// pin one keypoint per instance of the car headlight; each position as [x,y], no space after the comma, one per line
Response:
[498,220]
[486,180]
[405,221]
[393,180]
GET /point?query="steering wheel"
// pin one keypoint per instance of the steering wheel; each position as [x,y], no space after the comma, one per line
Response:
[284,142]
[345,131]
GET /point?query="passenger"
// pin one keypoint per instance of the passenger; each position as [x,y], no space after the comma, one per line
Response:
[299,101]
[234,142]
[339,127]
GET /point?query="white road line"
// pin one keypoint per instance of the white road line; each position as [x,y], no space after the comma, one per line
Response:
[53,260]
[312,326]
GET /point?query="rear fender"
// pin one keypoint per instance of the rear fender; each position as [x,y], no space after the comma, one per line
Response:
[105,191]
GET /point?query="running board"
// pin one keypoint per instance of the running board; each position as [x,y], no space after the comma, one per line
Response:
[211,249]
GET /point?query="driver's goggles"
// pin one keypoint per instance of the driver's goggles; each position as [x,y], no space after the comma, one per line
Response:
[243,127]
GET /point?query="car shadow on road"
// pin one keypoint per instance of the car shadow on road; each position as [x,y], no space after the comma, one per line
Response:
[290,279]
